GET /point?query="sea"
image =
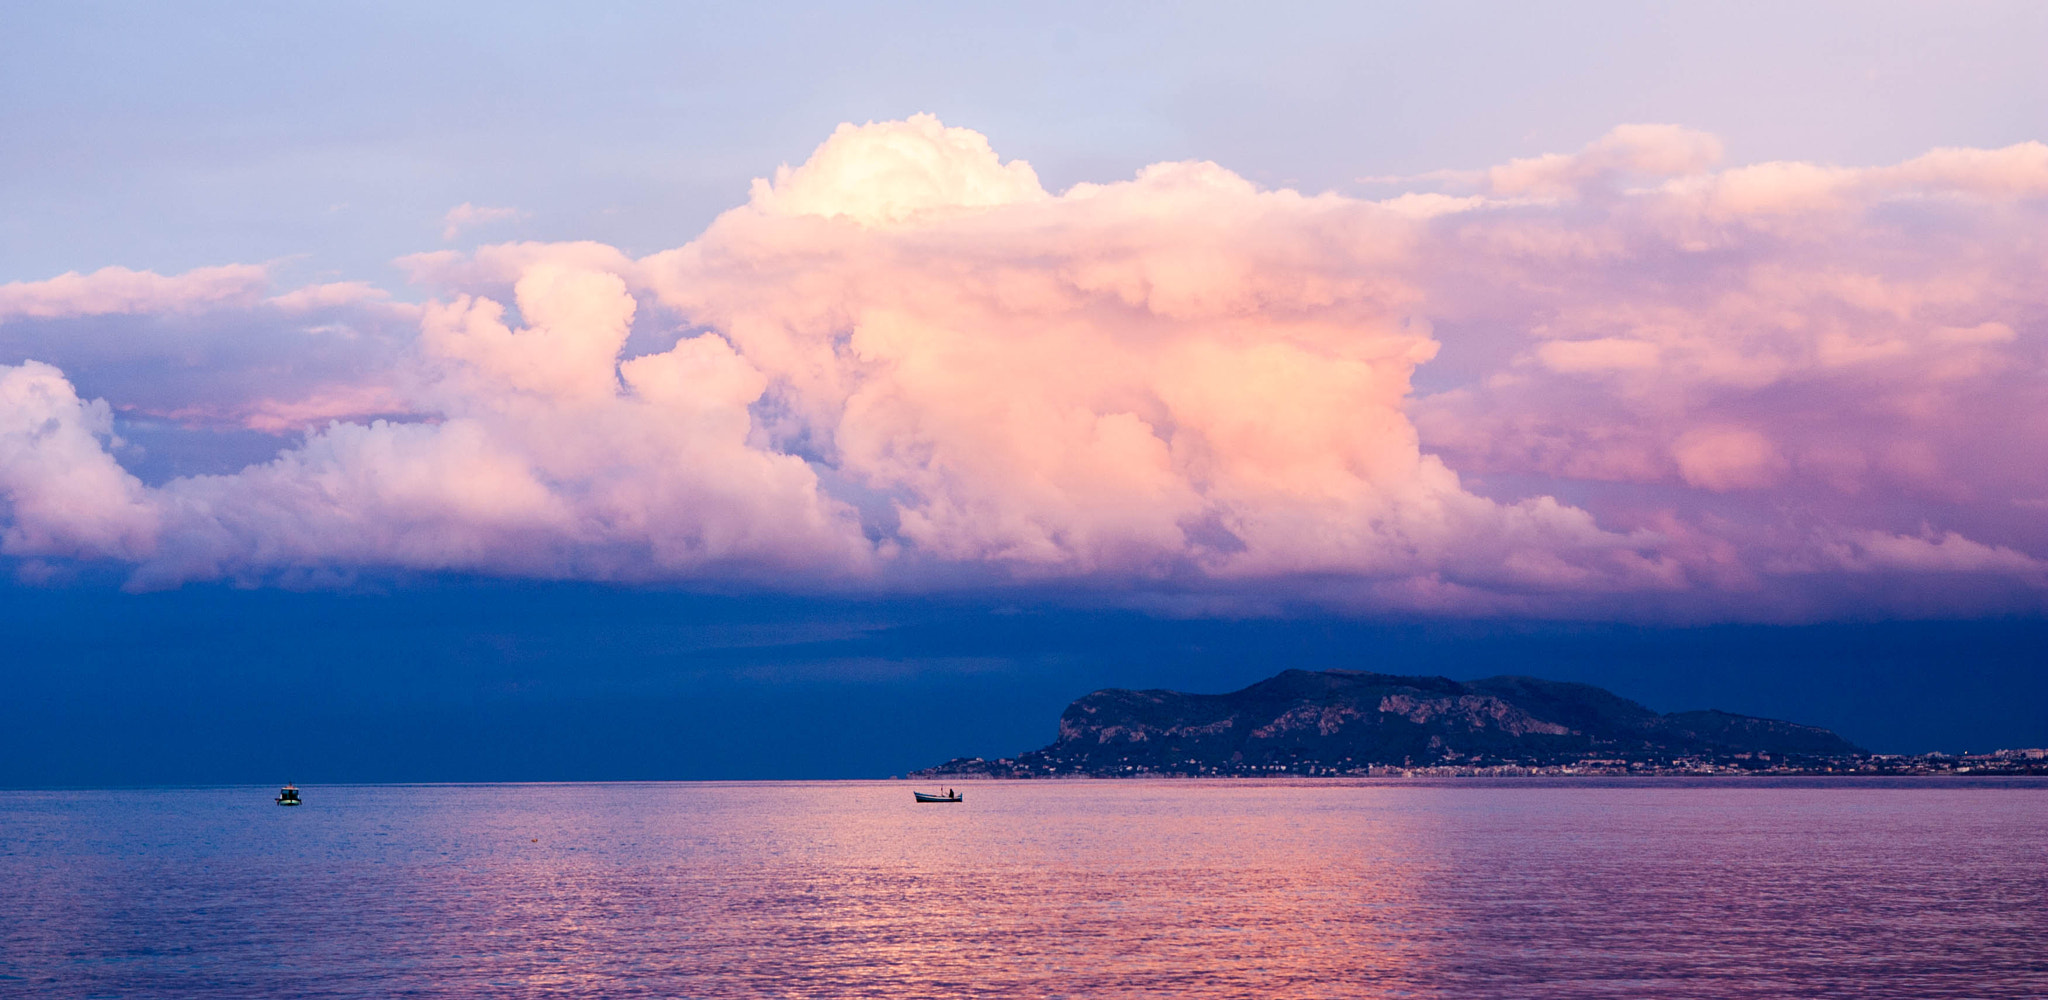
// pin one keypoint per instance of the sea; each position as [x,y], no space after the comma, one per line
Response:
[1455,888]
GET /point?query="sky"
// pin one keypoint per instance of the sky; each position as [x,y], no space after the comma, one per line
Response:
[648,387]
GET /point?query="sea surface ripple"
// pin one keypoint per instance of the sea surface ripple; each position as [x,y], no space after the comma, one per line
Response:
[1466,888]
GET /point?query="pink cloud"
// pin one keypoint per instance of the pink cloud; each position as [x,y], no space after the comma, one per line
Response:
[888,173]
[279,416]
[333,295]
[211,348]
[1756,377]
[544,462]
[1948,552]
[65,496]
[1727,458]
[495,267]
[117,290]
[1638,151]
[1176,372]
[1869,327]
[468,216]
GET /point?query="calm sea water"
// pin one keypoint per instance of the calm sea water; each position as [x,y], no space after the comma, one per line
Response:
[1046,889]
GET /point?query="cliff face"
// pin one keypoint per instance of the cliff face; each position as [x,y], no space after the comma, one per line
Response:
[1340,719]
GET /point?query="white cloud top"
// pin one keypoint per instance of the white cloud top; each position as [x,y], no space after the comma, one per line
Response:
[889,173]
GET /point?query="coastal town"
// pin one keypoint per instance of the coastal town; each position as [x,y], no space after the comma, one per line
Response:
[1996,763]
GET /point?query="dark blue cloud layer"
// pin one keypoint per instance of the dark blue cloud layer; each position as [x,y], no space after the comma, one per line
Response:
[465,681]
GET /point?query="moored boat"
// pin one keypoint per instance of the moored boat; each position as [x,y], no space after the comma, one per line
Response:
[951,795]
[288,795]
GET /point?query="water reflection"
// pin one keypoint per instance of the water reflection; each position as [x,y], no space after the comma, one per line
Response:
[1081,889]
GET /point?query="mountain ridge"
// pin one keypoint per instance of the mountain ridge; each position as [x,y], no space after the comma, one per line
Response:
[1350,721]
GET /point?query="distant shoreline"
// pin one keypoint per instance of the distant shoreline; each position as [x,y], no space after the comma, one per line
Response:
[2031,781]
[1999,764]
[1361,724]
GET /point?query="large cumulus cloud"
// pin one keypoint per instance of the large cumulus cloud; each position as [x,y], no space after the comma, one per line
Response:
[1814,353]
[904,359]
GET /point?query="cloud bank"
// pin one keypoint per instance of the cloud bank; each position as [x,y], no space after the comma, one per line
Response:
[905,364]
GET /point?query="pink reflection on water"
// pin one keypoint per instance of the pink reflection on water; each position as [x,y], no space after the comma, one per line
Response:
[1079,889]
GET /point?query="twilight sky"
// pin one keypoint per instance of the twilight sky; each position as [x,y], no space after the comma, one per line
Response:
[1648,317]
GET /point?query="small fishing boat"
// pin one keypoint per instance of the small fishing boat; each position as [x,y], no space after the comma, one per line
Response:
[951,795]
[288,795]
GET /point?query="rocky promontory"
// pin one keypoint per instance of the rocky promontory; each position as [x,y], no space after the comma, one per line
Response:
[1335,722]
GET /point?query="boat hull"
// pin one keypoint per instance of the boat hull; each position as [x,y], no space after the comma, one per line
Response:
[922,797]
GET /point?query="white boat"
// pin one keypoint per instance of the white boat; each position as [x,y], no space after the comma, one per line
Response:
[952,795]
